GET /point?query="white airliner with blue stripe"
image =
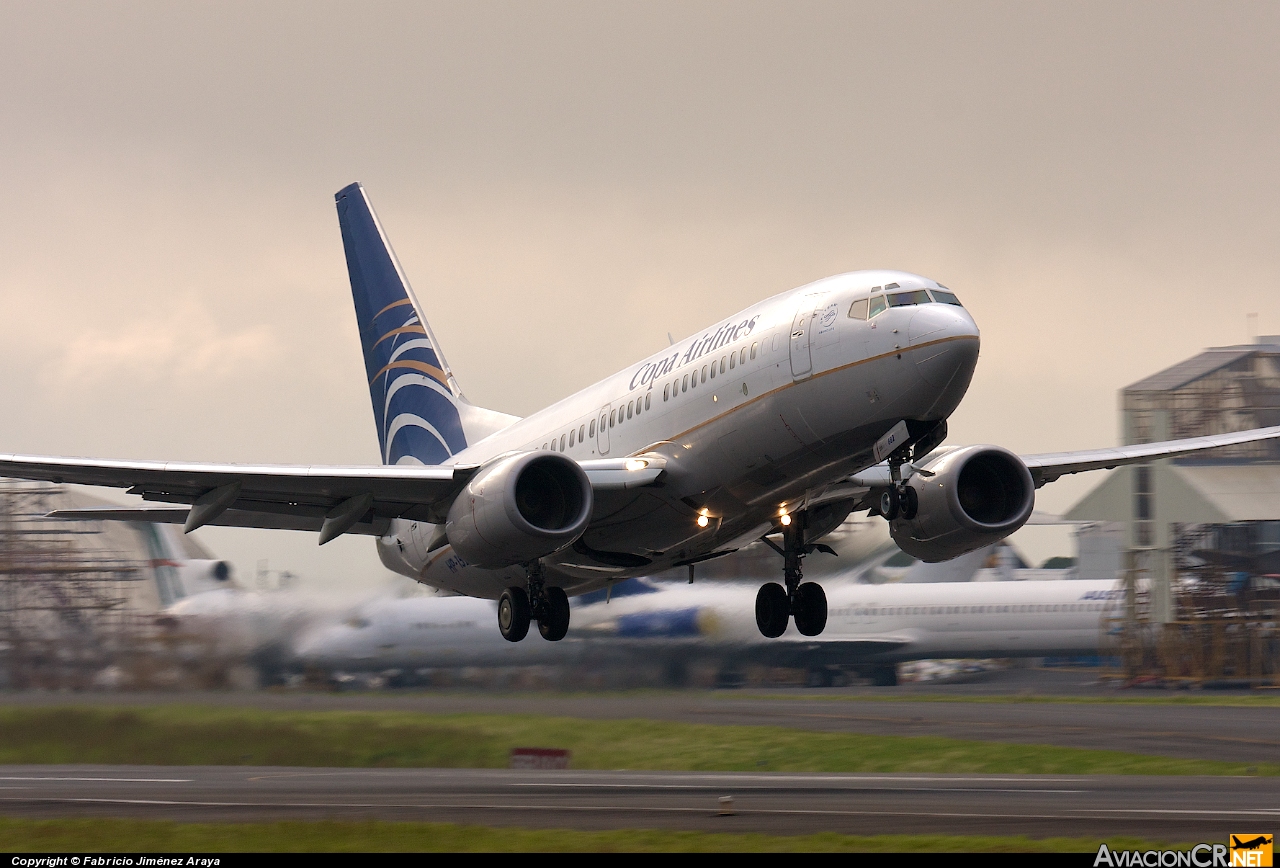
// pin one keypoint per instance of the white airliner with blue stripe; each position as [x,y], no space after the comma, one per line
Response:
[774,423]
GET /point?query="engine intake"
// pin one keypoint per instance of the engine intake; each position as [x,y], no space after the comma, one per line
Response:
[520,508]
[968,498]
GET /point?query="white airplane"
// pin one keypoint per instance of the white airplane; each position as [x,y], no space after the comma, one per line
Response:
[870,627]
[779,420]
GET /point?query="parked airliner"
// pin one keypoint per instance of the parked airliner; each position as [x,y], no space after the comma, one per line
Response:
[777,421]
[870,628]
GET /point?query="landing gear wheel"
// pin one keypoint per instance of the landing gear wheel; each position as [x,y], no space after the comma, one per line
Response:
[910,503]
[889,503]
[553,622]
[513,614]
[810,609]
[773,610]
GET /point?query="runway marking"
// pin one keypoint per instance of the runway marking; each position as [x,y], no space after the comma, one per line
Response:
[108,780]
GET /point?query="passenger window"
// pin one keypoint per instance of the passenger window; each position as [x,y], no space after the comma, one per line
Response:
[646,401]
[742,356]
[858,310]
[877,306]
[704,373]
[733,360]
[571,433]
[753,350]
[553,446]
[630,405]
[611,412]
[665,389]
[693,380]
[544,445]
[684,384]
[582,433]
[593,428]
[561,442]
[713,370]
[722,364]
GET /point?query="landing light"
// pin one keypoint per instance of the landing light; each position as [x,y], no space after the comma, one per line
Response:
[786,520]
[636,464]
[703,521]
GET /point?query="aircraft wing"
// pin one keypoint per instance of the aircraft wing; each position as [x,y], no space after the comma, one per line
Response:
[1048,466]
[358,499]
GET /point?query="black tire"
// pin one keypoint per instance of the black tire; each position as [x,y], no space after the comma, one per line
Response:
[889,503]
[910,503]
[772,610]
[554,623]
[513,614]
[811,609]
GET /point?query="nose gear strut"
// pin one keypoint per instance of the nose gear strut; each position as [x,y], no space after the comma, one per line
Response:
[807,603]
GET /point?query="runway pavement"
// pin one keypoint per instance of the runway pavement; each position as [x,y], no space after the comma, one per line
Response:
[1168,809]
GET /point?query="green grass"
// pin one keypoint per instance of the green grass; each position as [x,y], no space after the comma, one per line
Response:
[158,836]
[189,735]
[1253,701]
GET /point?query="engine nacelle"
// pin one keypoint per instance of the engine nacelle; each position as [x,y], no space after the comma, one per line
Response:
[520,508]
[198,575]
[968,498]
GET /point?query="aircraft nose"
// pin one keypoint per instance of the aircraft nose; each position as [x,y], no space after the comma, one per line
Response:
[931,322]
[947,340]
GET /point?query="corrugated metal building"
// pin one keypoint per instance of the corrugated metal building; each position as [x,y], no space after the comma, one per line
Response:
[1202,533]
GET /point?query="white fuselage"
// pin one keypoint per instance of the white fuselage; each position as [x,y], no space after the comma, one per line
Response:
[758,413]
[867,623]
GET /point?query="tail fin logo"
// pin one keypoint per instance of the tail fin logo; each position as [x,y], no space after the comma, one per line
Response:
[415,403]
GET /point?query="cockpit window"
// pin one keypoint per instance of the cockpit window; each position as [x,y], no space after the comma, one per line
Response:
[914,296]
[877,306]
[946,297]
[858,310]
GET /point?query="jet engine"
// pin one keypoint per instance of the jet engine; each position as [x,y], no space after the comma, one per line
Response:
[964,499]
[205,570]
[199,575]
[519,508]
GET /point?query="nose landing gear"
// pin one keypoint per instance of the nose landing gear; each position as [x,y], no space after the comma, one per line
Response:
[807,603]
[549,606]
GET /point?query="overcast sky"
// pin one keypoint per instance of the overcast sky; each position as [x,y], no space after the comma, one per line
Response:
[566,183]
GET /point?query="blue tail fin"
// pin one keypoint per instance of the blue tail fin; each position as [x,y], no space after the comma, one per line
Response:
[416,400]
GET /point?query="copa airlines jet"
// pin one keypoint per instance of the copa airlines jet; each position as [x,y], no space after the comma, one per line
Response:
[775,422]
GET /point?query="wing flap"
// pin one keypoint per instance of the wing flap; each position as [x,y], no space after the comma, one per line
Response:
[230,518]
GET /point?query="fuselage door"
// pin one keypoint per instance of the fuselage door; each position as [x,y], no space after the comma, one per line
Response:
[602,438]
[801,359]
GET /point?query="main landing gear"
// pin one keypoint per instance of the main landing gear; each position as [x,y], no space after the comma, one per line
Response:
[548,605]
[807,603]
